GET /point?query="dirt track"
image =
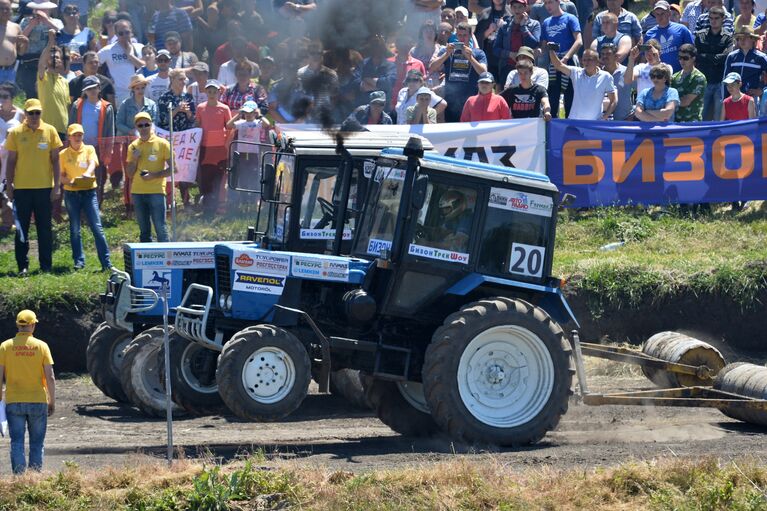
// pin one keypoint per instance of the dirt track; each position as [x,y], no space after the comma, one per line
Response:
[95,431]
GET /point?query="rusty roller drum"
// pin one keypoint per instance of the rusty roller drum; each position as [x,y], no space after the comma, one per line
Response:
[746,380]
[683,349]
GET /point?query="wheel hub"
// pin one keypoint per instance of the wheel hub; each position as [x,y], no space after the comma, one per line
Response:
[268,375]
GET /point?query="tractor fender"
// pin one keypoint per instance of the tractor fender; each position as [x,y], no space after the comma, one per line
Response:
[550,299]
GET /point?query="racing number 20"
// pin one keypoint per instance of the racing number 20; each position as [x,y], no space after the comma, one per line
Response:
[527,259]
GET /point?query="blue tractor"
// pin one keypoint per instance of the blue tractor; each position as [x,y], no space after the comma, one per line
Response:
[299,170]
[446,304]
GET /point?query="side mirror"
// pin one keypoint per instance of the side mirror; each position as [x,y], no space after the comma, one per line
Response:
[567,199]
[419,191]
[234,163]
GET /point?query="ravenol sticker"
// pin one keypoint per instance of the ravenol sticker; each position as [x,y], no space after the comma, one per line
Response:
[375,246]
[255,283]
[323,234]
[521,202]
[318,268]
[156,279]
[439,254]
[261,262]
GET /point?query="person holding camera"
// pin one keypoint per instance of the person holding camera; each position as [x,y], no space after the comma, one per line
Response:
[147,166]
[462,66]
[560,35]
[35,27]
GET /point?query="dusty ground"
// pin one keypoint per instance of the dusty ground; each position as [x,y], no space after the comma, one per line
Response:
[94,431]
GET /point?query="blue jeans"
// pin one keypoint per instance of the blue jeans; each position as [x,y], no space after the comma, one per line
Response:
[712,102]
[85,201]
[23,416]
[150,209]
[9,75]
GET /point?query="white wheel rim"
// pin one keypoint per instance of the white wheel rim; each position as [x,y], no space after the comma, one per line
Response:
[150,368]
[505,376]
[268,375]
[413,393]
[117,352]
[187,371]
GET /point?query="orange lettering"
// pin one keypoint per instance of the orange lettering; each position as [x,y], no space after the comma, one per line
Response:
[746,157]
[694,157]
[571,160]
[644,155]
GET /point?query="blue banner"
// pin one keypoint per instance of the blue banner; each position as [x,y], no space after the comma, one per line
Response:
[606,163]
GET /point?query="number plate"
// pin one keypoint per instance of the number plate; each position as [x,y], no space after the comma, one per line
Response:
[527,260]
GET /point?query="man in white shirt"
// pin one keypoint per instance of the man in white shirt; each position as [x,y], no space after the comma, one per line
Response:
[540,75]
[591,86]
[159,83]
[122,58]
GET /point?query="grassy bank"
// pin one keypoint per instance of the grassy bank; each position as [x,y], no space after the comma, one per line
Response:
[488,484]
[718,253]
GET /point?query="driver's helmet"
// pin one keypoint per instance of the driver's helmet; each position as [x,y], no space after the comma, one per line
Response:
[452,204]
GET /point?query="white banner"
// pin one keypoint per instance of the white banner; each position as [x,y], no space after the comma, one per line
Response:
[518,143]
[186,147]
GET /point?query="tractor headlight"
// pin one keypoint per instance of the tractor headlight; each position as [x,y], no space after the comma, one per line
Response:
[222,301]
[229,302]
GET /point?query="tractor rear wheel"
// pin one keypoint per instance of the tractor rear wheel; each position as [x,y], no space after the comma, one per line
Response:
[193,377]
[498,372]
[263,373]
[103,358]
[142,373]
[347,383]
[401,406]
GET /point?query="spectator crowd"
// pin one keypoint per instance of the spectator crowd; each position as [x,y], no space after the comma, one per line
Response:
[96,89]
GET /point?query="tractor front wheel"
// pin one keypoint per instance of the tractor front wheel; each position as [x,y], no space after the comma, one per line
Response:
[193,377]
[498,372]
[104,357]
[401,406]
[263,373]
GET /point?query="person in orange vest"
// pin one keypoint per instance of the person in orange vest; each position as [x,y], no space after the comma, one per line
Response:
[96,116]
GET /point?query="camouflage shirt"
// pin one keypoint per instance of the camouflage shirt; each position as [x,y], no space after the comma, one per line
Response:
[693,83]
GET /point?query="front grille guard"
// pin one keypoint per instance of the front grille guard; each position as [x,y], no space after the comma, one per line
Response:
[192,318]
[126,299]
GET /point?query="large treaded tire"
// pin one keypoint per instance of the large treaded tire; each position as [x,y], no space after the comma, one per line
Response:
[347,384]
[141,374]
[192,388]
[517,353]
[103,358]
[395,411]
[243,363]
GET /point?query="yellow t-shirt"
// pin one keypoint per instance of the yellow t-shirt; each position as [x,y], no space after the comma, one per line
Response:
[53,91]
[33,150]
[155,156]
[23,358]
[75,163]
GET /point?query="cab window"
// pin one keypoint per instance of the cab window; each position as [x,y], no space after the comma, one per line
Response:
[445,220]
[283,190]
[380,220]
[515,235]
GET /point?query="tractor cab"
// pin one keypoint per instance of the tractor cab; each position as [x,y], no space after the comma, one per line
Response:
[444,232]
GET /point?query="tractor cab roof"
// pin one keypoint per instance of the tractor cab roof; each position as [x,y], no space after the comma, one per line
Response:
[478,170]
[356,142]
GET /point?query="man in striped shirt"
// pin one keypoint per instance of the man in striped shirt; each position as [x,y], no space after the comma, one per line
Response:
[168,18]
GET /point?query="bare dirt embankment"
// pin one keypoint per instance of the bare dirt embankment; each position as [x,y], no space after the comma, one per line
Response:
[95,431]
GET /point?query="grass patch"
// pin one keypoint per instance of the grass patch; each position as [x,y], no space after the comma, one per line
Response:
[666,484]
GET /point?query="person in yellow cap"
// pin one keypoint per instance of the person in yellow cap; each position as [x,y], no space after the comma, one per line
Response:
[78,173]
[33,172]
[30,391]
[147,167]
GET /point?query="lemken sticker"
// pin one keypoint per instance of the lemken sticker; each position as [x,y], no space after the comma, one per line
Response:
[255,283]
[375,246]
[439,254]
[521,202]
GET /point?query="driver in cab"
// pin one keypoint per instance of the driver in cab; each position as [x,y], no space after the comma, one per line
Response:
[454,222]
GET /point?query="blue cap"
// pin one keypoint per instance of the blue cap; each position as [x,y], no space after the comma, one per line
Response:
[249,106]
[213,83]
[486,77]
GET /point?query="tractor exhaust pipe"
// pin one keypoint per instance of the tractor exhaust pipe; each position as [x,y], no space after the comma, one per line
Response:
[346,169]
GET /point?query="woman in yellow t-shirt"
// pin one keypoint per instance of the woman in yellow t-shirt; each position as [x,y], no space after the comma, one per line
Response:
[78,168]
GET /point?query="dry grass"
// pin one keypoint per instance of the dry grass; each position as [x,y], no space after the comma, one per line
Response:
[453,485]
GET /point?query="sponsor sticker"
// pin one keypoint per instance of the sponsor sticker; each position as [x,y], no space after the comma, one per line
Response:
[521,202]
[390,173]
[319,268]
[170,259]
[439,254]
[149,258]
[368,166]
[255,283]
[156,279]
[323,234]
[375,246]
[261,262]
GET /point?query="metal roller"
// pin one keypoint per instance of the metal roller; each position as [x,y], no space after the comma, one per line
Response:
[682,349]
[747,380]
